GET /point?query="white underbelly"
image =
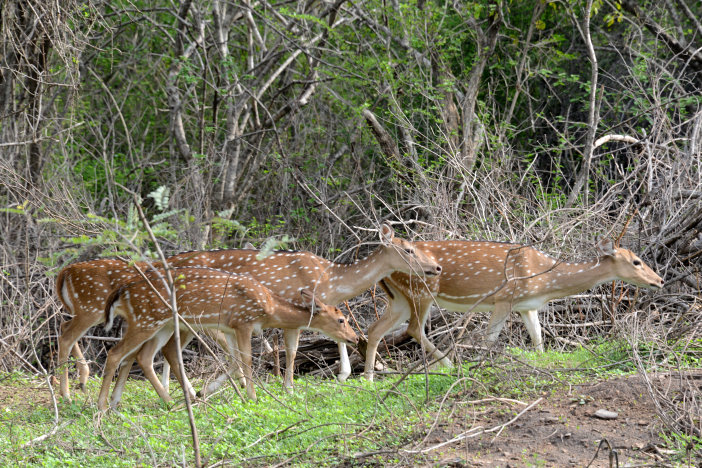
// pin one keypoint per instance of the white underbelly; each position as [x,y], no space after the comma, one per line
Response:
[531,304]
[460,307]
[211,326]
[488,305]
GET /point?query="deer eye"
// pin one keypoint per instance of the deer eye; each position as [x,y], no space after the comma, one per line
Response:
[637,262]
[341,320]
[409,250]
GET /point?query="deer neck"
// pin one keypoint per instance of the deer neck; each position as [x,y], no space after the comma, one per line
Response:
[288,316]
[345,281]
[572,278]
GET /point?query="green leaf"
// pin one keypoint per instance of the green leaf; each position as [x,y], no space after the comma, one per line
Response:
[161,197]
[273,244]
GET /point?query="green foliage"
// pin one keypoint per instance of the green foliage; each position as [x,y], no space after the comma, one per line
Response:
[273,244]
[95,174]
[122,237]
[161,197]
[684,446]
[224,227]
[321,420]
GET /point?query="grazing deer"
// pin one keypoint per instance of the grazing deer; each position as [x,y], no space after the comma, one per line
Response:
[84,287]
[285,273]
[497,277]
[207,299]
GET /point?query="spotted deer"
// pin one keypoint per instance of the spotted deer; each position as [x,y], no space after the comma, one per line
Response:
[286,273]
[497,277]
[84,287]
[207,299]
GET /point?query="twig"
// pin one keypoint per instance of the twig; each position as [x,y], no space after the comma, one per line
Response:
[53,431]
[500,399]
[101,338]
[512,420]
[275,433]
[465,435]
[441,405]
[593,109]
[406,374]
[372,453]
[613,455]
[470,433]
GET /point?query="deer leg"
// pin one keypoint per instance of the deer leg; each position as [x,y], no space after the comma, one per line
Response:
[166,374]
[145,358]
[122,376]
[71,331]
[497,321]
[185,337]
[291,337]
[243,339]
[232,349]
[82,365]
[397,312]
[344,363]
[170,354]
[415,329]
[531,320]
[227,342]
[114,358]
[129,344]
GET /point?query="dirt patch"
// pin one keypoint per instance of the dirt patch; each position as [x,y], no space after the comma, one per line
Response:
[20,397]
[561,430]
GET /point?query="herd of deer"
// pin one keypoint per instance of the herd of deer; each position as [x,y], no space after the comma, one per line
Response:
[231,294]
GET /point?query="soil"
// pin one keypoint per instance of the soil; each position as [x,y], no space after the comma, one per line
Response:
[15,397]
[560,430]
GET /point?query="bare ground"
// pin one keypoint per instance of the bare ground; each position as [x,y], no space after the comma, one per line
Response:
[16,397]
[559,430]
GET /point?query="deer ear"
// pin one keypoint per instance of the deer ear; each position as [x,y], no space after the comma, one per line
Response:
[387,234]
[310,299]
[307,296]
[606,247]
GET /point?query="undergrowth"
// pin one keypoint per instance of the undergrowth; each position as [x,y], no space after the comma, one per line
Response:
[322,423]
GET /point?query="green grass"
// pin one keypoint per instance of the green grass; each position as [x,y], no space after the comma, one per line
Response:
[321,423]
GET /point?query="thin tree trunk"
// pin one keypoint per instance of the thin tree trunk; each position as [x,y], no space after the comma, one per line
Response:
[593,115]
[471,125]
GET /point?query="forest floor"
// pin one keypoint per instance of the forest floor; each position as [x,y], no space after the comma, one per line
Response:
[468,422]
[560,430]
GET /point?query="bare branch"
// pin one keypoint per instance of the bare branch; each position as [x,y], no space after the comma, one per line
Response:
[593,111]
[684,51]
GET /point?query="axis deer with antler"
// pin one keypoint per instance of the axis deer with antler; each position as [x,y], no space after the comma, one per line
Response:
[497,277]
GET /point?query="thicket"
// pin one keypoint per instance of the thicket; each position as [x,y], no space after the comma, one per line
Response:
[547,123]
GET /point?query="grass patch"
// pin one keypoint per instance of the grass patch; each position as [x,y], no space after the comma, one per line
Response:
[322,421]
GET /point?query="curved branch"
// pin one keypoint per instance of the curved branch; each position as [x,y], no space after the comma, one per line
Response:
[694,57]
